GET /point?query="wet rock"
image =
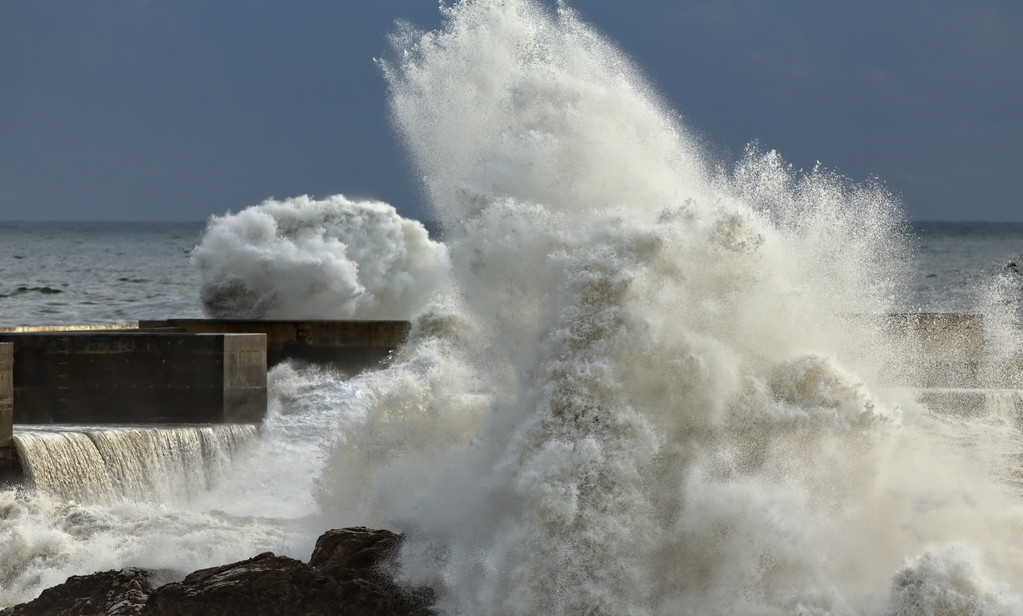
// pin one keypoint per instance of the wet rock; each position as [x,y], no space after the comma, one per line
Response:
[265,584]
[367,555]
[353,551]
[108,593]
[350,573]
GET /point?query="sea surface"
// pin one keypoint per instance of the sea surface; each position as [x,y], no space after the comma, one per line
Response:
[637,382]
[955,261]
[104,273]
[63,273]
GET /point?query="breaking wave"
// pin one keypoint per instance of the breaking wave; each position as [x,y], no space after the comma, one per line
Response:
[652,392]
[329,259]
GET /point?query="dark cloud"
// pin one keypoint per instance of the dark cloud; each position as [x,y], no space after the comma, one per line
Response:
[138,110]
[923,95]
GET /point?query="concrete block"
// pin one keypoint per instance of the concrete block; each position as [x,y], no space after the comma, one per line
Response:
[929,372]
[10,465]
[244,384]
[11,470]
[349,345]
[945,336]
[1006,373]
[6,394]
[137,377]
[966,402]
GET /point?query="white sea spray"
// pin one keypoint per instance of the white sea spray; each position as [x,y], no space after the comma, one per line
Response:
[330,259]
[678,405]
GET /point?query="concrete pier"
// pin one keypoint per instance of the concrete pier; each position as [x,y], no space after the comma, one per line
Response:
[351,346]
[10,465]
[119,377]
[938,335]
[165,372]
[6,394]
[944,349]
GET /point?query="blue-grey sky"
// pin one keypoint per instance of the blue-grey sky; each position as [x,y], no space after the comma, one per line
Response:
[148,110]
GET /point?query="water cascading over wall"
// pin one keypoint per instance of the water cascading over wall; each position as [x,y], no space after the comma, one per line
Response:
[103,465]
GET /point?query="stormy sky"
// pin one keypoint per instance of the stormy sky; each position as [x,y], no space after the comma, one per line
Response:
[136,110]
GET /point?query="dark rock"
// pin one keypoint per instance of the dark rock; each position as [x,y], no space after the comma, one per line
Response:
[363,554]
[350,583]
[354,551]
[265,584]
[350,573]
[109,593]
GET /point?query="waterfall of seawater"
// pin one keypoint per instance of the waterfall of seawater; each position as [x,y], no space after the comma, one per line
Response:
[173,498]
[162,464]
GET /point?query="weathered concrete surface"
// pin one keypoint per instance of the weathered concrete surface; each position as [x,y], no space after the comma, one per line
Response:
[1005,403]
[933,349]
[938,335]
[948,348]
[244,382]
[350,345]
[137,377]
[10,465]
[6,394]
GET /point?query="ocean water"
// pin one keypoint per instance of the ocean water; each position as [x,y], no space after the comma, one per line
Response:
[96,273]
[957,262]
[633,385]
[110,273]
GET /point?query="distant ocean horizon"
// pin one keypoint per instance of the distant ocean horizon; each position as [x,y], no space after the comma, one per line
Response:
[102,272]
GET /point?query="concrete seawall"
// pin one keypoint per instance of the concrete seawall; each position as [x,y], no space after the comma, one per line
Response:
[10,466]
[6,392]
[178,371]
[137,377]
[214,371]
[349,345]
[945,350]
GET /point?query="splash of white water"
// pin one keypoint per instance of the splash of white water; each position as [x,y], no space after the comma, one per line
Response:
[329,259]
[650,401]
[174,499]
[118,497]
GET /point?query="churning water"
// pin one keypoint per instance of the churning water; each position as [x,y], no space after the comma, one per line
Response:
[637,383]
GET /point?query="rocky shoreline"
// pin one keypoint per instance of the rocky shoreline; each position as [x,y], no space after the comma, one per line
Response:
[348,573]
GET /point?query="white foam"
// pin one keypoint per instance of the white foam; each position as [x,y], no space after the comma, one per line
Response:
[664,408]
[45,539]
[329,259]
[178,498]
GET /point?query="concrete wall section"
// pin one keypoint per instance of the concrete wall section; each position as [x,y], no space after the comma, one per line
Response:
[934,349]
[6,394]
[940,335]
[125,377]
[349,345]
[244,383]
